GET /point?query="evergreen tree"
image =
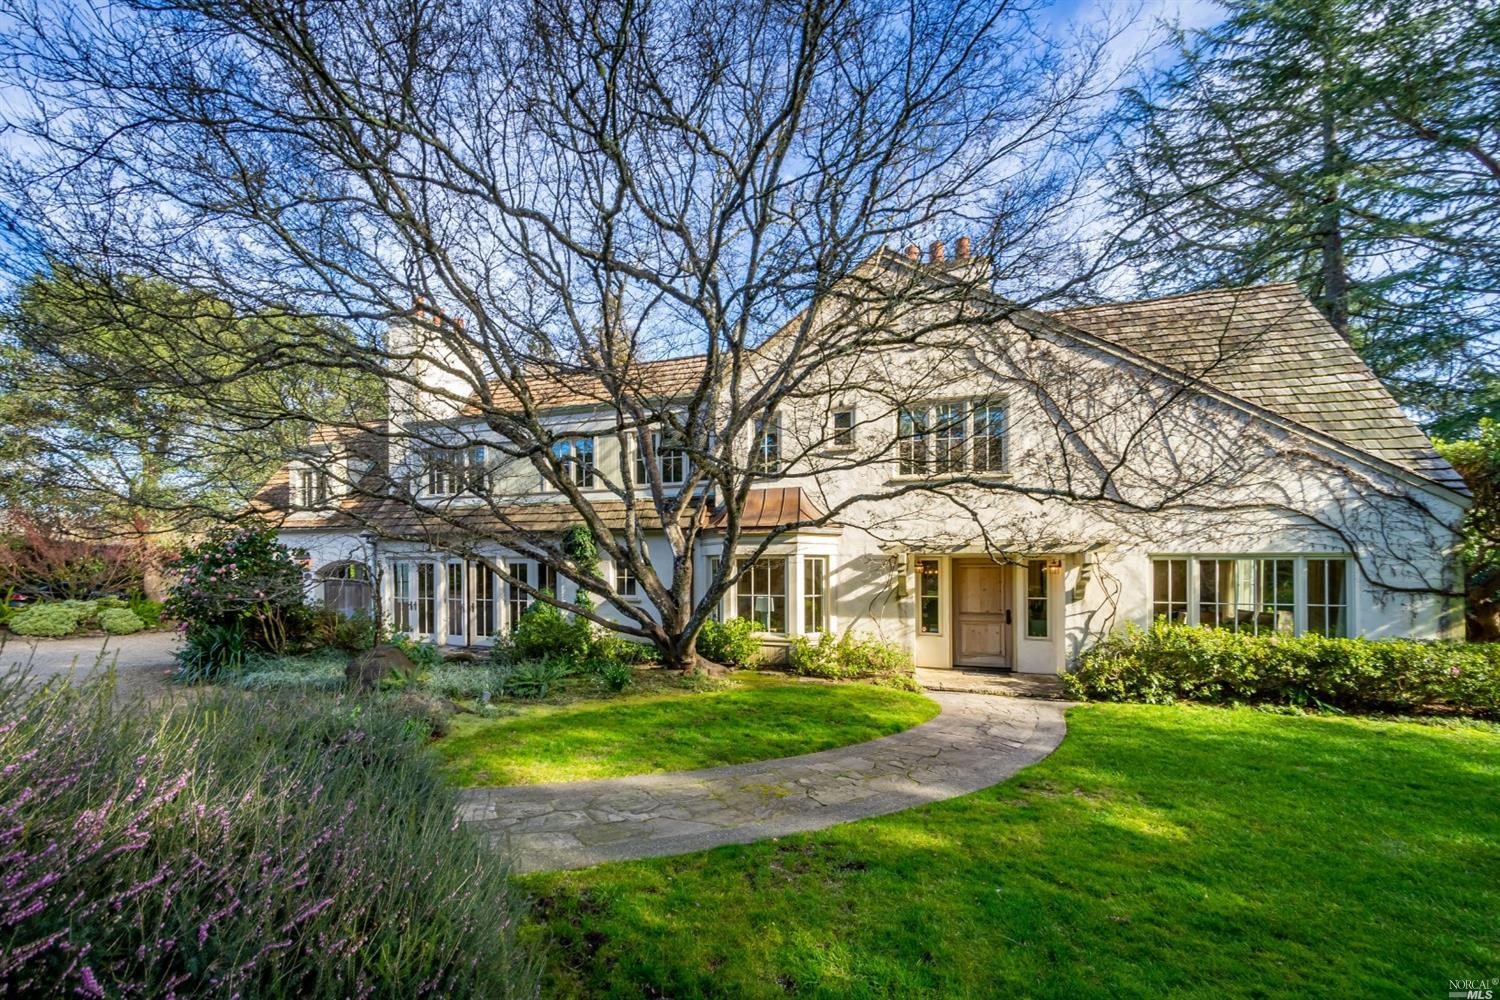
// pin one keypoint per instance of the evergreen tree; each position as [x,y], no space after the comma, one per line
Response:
[1351,146]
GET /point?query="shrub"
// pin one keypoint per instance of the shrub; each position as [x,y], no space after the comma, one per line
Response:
[147,610]
[543,630]
[328,628]
[849,657]
[120,621]
[731,642]
[212,651]
[52,620]
[534,678]
[265,845]
[323,672]
[244,577]
[1165,663]
[424,655]
[615,649]
[617,676]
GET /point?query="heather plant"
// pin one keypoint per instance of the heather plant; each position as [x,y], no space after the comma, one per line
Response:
[236,845]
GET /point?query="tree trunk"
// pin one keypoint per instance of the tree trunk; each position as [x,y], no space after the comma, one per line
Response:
[1334,267]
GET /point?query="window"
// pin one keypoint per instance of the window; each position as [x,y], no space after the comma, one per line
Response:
[767,456]
[950,437]
[519,598]
[485,608]
[546,579]
[1327,597]
[989,437]
[309,487]
[671,460]
[713,575]
[426,598]
[575,456]
[478,477]
[457,627]
[1169,598]
[441,472]
[1246,595]
[927,596]
[761,594]
[843,429]
[626,584]
[950,426]
[815,594]
[1036,599]
[401,596]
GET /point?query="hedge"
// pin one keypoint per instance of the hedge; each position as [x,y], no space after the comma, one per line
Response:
[1165,663]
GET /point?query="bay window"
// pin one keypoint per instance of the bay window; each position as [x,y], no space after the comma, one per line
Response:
[760,594]
[815,594]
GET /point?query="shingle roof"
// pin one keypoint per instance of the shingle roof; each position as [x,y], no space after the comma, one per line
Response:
[663,379]
[1269,346]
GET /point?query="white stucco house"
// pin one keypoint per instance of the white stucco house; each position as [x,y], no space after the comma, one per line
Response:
[1220,458]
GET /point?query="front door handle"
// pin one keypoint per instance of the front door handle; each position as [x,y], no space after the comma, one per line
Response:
[1007,616]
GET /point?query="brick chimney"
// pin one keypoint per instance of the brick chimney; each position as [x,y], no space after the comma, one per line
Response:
[962,248]
[937,253]
[913,252]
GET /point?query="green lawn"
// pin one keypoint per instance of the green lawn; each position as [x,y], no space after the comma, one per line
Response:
[1160,851]
[757,718]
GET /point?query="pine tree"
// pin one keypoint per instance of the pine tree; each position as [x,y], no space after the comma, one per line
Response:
[1351,146]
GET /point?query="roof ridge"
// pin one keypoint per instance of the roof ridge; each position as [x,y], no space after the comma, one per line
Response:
[1220,290]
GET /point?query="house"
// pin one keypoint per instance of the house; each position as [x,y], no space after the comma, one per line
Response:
[1001,499]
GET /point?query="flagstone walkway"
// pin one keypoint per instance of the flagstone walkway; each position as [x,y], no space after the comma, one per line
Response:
[976,741]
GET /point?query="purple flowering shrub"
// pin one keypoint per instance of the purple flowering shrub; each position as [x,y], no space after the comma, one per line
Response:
[239,846]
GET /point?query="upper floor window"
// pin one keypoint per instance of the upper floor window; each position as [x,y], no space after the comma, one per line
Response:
[447,471]
[951,437]
[842,428]
[671,460]
[309,487]
[768,444]
[575,457]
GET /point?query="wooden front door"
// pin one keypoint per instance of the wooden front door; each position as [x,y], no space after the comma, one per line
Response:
[981,634]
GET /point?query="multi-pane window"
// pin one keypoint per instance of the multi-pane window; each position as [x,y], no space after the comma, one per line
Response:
[950,437]
[713,575]
[1036,599]
[761,593]
[1327,596]
[426,598]
[1169,589]
[626,584]
[671,460]
[310,487]
[815,594]
[928,582]
[1255,595]
[478,475]
[546,578]
[485,624]
[402,596]
[443,468]
[843,428]
[768,445]
[518,598]
[575,457]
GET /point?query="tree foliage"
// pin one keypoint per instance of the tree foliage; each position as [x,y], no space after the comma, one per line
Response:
[1350,146]
[1478,459]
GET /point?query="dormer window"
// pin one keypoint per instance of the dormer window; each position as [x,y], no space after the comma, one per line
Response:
[671,460]
[449,471]
[309,487]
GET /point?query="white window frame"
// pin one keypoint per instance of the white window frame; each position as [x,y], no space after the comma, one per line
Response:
[745,589]
[835,432]
[952,436]
[627,585]
[816,606]
[1251,595]
[936,597]
[310,486]
[767,457]
[676,455]
[1043,598]
[580,470]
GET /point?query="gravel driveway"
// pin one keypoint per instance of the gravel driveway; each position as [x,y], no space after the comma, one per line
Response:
[143,661]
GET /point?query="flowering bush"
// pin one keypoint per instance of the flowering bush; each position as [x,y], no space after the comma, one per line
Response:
[242,578]
[1164,663]
[264,845]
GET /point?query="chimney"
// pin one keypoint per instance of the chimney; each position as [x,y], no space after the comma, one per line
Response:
[419,310]
[458,323]
[937,252]
[913,252]
[961,251]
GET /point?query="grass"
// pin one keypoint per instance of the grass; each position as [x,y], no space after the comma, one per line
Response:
[754,717]
[1161,851]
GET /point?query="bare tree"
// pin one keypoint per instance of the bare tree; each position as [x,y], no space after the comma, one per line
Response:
[674,214]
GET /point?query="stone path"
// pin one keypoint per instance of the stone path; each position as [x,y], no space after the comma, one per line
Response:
[976,741]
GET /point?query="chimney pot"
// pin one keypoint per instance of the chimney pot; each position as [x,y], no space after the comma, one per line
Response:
[937,251]
[913,252]
[961,251]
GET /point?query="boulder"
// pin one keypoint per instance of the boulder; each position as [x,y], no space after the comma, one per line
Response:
[368,669]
